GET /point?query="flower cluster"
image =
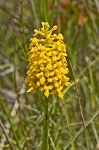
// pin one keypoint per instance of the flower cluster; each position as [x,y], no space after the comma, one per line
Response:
[47,68]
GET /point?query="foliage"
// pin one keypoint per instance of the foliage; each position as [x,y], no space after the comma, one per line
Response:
[74,121]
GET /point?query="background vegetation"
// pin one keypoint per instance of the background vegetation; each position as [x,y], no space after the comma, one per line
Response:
[74,122]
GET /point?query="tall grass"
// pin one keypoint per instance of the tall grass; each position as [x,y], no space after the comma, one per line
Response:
[73,122]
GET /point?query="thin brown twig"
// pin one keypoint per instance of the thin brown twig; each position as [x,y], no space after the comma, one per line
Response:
[6,135]
[79,102]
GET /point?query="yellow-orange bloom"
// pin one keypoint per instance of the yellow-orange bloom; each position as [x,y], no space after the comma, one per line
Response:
[47,67]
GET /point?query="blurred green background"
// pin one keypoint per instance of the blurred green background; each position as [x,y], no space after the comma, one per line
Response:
[73,122]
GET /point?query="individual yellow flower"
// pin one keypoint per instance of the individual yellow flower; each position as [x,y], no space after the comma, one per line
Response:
[47,65]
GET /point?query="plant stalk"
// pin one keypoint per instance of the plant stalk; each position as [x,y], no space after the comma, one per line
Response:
[45,126]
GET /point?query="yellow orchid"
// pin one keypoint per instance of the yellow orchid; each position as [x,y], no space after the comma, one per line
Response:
[47,67]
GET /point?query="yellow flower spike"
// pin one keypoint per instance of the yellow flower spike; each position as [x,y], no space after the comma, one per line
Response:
[59,76]
[38,83]
[55,78]
[46,93]
[62,70]
[59,89]
[56,71]
[35,62]
[50,87]
[54,53]
[47,74]
[68,84]
[50,79]
[45,87]
[42,68]
[60,36]
[54,28]
[39,74]
[49,54]
[56,84]
[38,32]
[42,80]
[47,64]
[30,89]
[54,66]
[42,24]
[55,58]
[60,95]
[54,36]
[46,25]
[51,73]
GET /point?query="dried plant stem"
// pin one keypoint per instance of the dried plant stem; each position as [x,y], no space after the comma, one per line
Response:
[80,106]
[10,121]
[35,13]
[6,135]
[45,126]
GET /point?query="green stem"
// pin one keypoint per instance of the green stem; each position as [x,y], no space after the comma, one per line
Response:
[45,126]
[45,5]
[81,129]
[73,145]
